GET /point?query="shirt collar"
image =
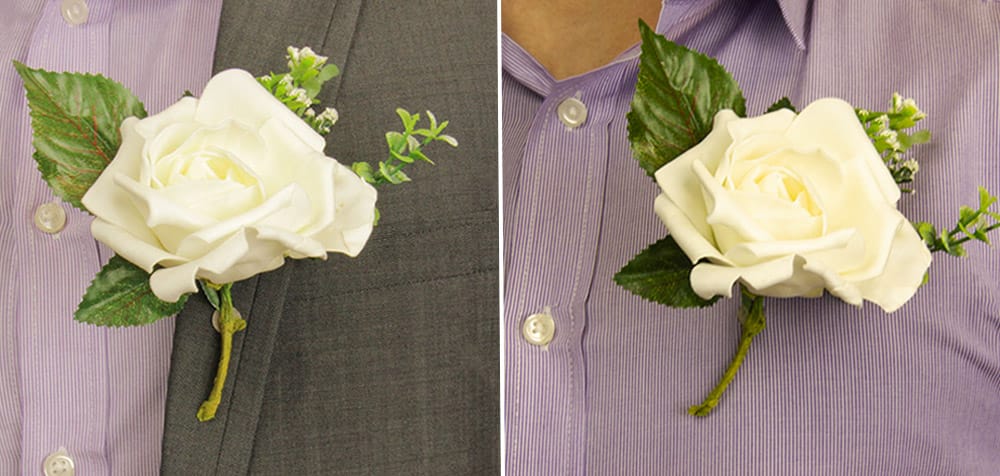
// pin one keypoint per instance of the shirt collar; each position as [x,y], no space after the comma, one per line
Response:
[796,14]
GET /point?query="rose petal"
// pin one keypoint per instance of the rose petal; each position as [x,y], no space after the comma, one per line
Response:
[203,241]
[782,277]
[235,95]
[135,250]
[903,273]
[681,187]
[180,112]
[750,253]
[355,213]
[106,200]
[812,126]
[695,245]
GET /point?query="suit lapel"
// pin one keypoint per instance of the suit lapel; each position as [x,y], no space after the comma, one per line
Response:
[252,36]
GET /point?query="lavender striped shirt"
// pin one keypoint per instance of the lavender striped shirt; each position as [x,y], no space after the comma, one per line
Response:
[827,388]
[97,392]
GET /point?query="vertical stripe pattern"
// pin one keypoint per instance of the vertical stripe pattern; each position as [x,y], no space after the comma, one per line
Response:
[98,392]
[827,388]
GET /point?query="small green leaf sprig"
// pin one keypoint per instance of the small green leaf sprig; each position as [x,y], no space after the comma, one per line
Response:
[678,93]
[887,129]
[298,88]
[404,148]
[973,224]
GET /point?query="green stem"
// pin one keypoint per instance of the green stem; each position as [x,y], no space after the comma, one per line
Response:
[752,321]
[401,164]
[229,324]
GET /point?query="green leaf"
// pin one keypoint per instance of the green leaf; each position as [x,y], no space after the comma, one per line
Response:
[396,141]
[985,199]
[401,157]
[365,171]
[927,233]
[120,296]
[677,95]
[662,274]
[328,72]
[76,120]
[908,140]
[417,154]
[409,120]
[783,103]
[211,293]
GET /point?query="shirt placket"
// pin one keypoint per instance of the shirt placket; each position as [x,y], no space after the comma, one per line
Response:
[64,394]
[558,224]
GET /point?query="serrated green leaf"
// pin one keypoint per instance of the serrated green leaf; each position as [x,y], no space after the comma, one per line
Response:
[662,274]
[783,103]
[120,296]
[75,119]
[677,94]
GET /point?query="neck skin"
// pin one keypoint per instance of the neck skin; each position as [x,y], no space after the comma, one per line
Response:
[570,37]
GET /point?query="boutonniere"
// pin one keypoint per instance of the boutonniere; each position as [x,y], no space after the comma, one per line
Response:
[786,204]
[210,191]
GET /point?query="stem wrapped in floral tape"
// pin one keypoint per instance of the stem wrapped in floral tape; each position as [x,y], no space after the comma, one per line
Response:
[229,323]
[787,204]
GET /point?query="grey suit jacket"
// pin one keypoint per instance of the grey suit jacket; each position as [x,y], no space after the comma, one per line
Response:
[386,363]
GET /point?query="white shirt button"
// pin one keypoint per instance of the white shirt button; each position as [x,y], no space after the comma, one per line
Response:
[50,217]
[58,464]
[572,112]
[538,329]
[74,12]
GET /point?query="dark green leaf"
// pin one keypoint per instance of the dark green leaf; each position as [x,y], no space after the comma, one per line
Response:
[677,95]
[75,118]
[783,103]
[662,274]
[120,296]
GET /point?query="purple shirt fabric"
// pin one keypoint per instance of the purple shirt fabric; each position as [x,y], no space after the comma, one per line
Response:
[95,391]
[827,388]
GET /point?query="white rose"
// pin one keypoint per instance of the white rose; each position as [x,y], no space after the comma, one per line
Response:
[791,205]
[223,188]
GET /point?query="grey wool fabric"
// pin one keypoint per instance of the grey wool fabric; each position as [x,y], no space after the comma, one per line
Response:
[386,363]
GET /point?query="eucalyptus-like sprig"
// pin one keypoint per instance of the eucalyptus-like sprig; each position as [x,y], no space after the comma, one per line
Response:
[404,148]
